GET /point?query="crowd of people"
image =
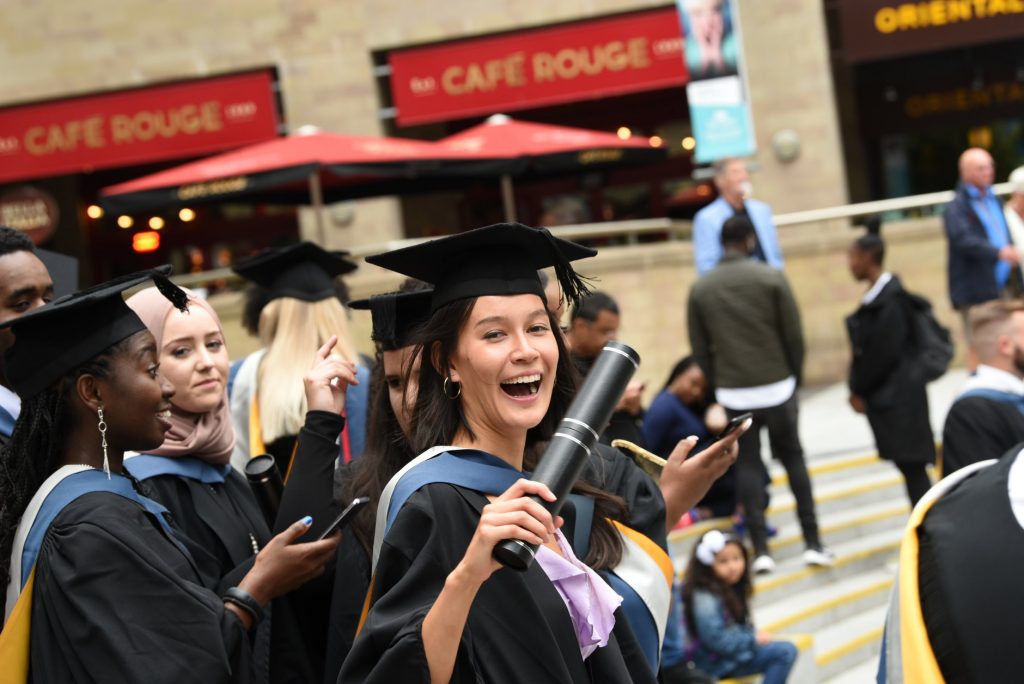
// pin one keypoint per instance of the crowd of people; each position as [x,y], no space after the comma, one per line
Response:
[133,548]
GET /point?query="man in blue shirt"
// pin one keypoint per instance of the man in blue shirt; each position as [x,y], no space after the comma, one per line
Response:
[25,284]
[734,190]
[981,254]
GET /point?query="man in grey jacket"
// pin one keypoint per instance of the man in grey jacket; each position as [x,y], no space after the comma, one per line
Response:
[745,334]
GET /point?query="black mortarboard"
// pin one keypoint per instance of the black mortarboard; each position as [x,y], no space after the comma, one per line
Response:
[55,339]
[395,315]
[502,259]
[304,271]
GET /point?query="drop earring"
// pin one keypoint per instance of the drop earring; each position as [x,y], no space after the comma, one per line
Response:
[102,426]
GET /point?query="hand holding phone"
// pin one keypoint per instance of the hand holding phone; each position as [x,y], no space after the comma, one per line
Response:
[346,516]
[733,426]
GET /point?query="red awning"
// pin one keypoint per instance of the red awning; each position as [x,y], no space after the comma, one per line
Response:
[280,170]
[503,136]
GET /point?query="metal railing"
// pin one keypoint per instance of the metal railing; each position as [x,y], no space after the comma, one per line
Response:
[632,230]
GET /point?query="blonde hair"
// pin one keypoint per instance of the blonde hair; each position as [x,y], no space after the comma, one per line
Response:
[292,330]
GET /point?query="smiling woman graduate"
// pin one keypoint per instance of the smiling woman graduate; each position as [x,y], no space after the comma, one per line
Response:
[99,586]
[494,380]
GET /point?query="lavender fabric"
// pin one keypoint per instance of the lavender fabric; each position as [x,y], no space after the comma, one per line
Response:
[591,602]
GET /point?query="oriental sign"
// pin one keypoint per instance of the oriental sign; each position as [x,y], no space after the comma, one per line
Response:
[879,29]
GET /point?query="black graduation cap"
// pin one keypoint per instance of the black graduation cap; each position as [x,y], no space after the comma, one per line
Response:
[53,340]
[502,259]
[304,271]
[395,314]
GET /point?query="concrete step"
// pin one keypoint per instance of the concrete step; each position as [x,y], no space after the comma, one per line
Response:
[835,528]
[849,643]
[805,669]
[855,491]
[814,609]
[842,526]
[864,673]
[830,468]
[793,578]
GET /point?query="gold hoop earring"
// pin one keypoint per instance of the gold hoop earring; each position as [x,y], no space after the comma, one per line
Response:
[446,388]
[102,427]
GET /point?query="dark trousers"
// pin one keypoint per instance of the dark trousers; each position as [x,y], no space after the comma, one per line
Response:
[784,440]
[916,478]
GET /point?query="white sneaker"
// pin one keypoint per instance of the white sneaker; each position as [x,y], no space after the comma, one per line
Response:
[762,565]
[821,557]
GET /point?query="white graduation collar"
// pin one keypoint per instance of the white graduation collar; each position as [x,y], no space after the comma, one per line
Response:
[876,289]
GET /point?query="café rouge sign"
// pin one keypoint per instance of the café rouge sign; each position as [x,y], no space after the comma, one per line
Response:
[100,130]
[519,69]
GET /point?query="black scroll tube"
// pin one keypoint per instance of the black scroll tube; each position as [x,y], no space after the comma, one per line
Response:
[567,453]
[266,484]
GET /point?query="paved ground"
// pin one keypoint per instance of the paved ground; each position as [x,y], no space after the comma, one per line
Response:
[829,427]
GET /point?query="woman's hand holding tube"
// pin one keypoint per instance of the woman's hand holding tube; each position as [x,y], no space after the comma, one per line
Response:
[327,379]
[510,516]
[686,479]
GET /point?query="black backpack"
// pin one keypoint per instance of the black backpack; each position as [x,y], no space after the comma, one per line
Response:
[933,345]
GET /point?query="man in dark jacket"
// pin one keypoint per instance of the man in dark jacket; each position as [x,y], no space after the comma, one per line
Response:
[883,383]
[987,419]
[745,333]
[981,254]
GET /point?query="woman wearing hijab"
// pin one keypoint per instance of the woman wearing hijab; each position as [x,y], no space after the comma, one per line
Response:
[494,380]
[100,586]
[191,475]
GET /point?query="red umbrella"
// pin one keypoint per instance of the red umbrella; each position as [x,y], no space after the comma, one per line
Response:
[546,148]
[299,168]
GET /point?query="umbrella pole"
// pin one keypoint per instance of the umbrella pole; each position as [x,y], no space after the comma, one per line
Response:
[316,194]
[508,199]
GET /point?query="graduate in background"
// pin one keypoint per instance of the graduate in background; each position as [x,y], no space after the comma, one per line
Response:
[99,587]
[955,613]
[392,394]
[494,378]
[210,501]
[987,417]
[268,403]
[883,381]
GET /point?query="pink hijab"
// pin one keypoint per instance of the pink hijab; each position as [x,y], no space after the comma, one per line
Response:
[209,436]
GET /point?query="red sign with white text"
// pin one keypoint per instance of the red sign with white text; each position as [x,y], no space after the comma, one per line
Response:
[136,126]
[579,61]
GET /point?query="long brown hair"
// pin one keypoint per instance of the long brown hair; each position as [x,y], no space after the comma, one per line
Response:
[437,419]
[387,452]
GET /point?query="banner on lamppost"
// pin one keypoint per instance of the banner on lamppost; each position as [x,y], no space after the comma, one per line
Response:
[719,110]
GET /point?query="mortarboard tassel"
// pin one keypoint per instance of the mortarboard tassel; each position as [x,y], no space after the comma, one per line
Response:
[384,310]
[174,294]
[574,286]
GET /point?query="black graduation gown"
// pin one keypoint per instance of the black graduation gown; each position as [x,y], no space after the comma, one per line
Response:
[615,472]
[881,373]
[610,470]
[978,429]
[224,528]
[971,555]
[518,629]
[117,600]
